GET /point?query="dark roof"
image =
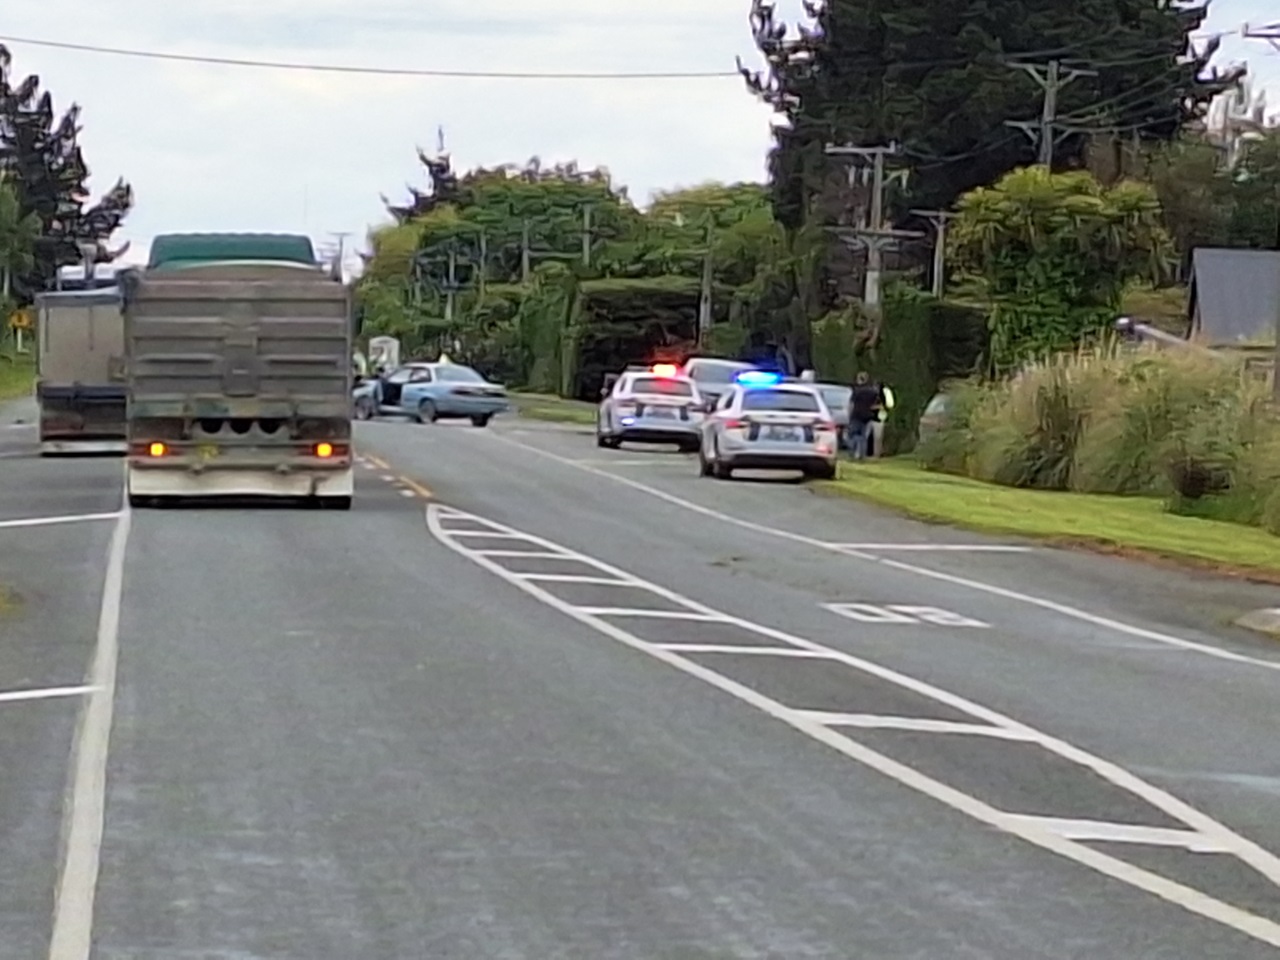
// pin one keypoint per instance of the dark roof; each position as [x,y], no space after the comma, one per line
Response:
[1238,295]
[175,249]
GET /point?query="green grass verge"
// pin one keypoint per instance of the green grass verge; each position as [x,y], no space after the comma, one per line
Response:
[545,406]
[1127,525]
[16,376]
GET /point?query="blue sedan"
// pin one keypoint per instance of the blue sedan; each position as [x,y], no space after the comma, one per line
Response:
[428,392]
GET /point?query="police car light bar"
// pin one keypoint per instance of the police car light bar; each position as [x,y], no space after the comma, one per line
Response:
[664,370]
[758,378]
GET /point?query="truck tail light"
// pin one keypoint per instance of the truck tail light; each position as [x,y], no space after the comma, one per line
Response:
[324,450]
[157,449]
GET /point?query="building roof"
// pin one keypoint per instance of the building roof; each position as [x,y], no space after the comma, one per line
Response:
[1237,293]
[179,249]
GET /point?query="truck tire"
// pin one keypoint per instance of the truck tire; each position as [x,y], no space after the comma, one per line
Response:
[335,503]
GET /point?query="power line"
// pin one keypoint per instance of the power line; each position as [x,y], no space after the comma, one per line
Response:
[372,71]
[348,69]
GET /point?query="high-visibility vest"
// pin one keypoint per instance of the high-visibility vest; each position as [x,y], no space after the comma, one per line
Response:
[888,403]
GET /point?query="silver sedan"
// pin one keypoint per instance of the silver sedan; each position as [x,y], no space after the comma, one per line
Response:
[762,424]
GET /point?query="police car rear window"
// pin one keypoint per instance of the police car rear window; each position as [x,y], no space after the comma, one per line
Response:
[788,401]
[716,371]
[674,388]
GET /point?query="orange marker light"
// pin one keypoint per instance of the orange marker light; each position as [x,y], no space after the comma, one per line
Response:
[324,450]
[157,449]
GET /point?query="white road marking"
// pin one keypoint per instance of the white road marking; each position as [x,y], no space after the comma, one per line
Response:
[1105,832]
[407,493]
[78,880]
[870,721]
[1033,830]
[575,578]
[53,521]
[743,651]
[935,547]
[484,534]
[652,614]
[902,613]
[630,463]
[45,693]
[1053,606]
[540,554]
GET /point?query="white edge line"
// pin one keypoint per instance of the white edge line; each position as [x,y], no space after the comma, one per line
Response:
[1192,900]
[51,521]
[45,693]
[72,936]
[978,585]
[935,547]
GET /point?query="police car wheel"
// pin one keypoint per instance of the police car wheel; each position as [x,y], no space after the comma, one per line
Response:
[704,465]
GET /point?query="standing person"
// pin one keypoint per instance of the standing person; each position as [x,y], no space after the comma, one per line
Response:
[864,407]
[877,428]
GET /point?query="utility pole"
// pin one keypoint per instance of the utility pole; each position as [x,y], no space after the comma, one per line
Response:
[1052,80]
[939,219]
[341,237]
[526,256]
[704,293]
[1270,33]
[451,289]
[586,235]
[874,235]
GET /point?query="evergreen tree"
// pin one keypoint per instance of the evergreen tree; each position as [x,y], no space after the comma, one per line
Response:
[40,157]
[935,76]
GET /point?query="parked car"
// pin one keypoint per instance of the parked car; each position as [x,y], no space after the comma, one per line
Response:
[428,392]
[935,415]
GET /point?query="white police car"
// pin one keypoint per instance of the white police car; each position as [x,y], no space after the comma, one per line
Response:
[656,404]
[764,423]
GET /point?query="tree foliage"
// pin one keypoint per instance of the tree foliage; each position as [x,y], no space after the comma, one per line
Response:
[1055,252]
[40,155]
[19,233]
[1208,204]
[508,244]
[935,76]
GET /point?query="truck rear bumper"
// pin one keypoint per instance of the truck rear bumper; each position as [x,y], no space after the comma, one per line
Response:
[151,481]
[68,445]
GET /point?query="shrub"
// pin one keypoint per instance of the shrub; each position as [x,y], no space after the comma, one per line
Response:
[1182,424]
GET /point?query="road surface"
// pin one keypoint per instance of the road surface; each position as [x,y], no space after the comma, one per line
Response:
[695,720]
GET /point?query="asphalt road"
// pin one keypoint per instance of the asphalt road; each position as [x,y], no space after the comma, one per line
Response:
[385,734]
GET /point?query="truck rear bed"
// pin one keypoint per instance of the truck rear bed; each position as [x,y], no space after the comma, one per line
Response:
[80,385]
[241,372]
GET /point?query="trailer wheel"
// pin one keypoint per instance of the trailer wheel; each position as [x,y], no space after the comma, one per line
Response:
[335,503]
[139,502]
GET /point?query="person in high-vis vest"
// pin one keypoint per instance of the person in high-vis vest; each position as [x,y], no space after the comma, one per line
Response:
[877,428]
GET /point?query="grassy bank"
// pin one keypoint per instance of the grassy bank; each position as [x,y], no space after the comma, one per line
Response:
[16,376]
[545,406]
[1137,526]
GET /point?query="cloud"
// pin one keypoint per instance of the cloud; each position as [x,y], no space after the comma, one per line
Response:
[223,148]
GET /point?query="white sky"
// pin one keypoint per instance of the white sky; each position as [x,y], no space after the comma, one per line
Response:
[227,148]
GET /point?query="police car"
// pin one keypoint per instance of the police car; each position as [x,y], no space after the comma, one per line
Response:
[764,423]
[654,404]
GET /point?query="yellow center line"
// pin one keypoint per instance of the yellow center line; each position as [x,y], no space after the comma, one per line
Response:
[377,461]
[417,488]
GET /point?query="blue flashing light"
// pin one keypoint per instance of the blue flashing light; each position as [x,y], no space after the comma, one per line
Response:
[628,421]
[758,378]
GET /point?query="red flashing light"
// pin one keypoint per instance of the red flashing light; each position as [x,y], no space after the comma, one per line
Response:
[664,370]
